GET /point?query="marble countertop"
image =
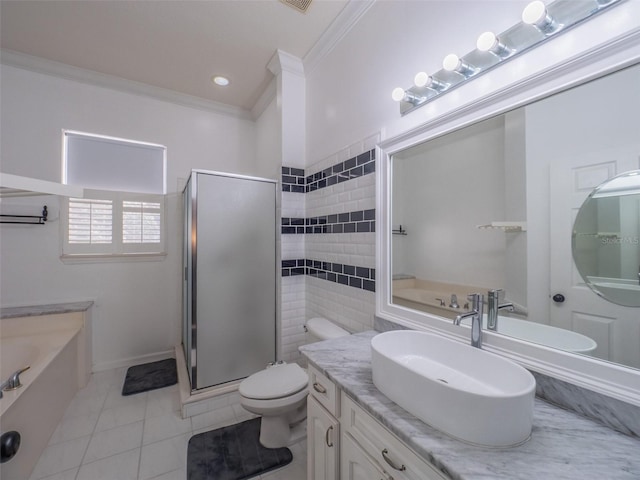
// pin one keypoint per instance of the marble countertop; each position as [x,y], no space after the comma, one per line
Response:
[563,445]
[35,310]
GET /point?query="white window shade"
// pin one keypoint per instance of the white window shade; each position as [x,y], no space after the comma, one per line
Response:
[104,163]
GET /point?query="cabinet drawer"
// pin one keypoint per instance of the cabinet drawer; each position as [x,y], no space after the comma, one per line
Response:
[324,390]
[394,456]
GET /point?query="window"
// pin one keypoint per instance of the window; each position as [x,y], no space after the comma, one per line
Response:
[126,215]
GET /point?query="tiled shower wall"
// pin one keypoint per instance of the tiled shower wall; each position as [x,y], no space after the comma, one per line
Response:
[328,244]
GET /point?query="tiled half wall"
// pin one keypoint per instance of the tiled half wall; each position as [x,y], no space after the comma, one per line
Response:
[328,244]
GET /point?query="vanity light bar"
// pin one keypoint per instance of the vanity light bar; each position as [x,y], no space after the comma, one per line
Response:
[539,23]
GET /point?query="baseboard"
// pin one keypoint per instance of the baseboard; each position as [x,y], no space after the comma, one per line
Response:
[131,361]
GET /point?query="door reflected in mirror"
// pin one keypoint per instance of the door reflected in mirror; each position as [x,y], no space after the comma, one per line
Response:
[492,206]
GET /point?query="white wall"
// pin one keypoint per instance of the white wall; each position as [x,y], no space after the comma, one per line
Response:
[138,304]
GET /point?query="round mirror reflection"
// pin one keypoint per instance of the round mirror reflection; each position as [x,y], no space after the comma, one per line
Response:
[606,240]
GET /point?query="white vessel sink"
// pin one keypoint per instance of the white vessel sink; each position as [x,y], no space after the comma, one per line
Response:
[465,392]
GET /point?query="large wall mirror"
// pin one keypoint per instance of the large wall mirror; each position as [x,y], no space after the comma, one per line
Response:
[493,206]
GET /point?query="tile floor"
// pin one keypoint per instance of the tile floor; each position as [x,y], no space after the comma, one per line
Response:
[105,436]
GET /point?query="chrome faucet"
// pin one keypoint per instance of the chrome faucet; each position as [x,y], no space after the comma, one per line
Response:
[454,301]
[493,302]
[13,382]
[476,313]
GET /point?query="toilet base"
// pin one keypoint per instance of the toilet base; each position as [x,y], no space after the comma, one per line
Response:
[283,430]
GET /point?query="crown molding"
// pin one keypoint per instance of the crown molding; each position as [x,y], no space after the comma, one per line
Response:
[285,62]
[90,77]
[333,35]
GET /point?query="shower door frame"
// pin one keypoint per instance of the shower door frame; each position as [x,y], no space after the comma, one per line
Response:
[192,183]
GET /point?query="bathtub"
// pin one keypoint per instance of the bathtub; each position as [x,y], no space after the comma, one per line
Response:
[55,347]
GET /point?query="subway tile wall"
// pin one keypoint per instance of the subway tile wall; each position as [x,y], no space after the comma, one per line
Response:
[328,243]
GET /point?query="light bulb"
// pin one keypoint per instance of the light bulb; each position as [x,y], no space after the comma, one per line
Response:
[421,79]
[398,94]
[486,41]
[489,42]
[534,13]
[451,62]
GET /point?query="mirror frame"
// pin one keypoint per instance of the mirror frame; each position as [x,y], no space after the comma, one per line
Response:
[540,75]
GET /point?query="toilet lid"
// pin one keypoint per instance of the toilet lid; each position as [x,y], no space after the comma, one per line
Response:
[275,382]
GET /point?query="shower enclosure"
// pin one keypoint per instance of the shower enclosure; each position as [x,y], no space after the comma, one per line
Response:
[229,287]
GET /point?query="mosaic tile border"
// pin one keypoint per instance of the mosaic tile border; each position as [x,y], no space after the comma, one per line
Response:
[294,180]
[350,275]
[349,222]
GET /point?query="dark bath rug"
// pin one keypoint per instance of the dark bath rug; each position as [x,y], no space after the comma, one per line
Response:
[149,376]
[232,453]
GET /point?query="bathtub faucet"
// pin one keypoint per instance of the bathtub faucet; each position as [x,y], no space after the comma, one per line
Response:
[494,305]
[476,313]
[13,382]
[454,301]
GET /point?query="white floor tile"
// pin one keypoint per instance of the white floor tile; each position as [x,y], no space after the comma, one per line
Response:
[74,427]
[116,399]
[164,456]
[116,440]
[123,466]
[215,417]
[165,426]
[175,475]
[66,475]
[105,436]
[162,402]
[60,457]
[121,415]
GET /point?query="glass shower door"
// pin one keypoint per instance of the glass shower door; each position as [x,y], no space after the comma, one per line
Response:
[234,245]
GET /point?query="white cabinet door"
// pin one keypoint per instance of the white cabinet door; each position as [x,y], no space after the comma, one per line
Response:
[355,464]
[322,442]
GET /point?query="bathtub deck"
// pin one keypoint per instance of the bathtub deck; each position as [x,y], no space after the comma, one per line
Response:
[104,435]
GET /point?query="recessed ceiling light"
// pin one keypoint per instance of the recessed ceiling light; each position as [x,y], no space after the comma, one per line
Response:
[220,80]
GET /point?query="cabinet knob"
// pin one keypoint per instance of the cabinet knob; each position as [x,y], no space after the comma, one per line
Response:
[392,464]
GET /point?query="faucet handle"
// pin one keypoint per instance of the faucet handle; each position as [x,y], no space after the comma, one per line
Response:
[14,380]
[495,293]
[474,298]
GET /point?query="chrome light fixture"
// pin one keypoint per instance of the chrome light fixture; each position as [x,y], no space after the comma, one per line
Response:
[539,23]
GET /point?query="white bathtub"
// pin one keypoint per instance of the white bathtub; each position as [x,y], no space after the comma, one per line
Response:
[55,348]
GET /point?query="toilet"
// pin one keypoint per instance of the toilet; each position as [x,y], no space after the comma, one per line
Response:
[279,392]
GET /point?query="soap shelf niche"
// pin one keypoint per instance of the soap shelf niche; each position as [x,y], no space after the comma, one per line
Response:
[26,219]
[508,227]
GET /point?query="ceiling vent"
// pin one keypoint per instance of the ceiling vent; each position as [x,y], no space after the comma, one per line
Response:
[300,5]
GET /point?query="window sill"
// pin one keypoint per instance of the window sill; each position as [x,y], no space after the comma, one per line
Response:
[71,259]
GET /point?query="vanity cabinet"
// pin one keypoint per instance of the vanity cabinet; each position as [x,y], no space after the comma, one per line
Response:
[385,450]
[323,429]
[345,442]
[356,464]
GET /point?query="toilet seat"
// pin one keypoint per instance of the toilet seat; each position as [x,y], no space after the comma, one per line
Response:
[275,382]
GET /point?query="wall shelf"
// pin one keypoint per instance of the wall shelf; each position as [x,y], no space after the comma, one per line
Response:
[508,227]
[17,186]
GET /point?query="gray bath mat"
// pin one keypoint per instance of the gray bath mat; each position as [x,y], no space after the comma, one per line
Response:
[232,453]
[150,376]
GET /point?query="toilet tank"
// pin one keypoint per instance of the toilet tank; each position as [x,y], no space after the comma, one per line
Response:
[319,329]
